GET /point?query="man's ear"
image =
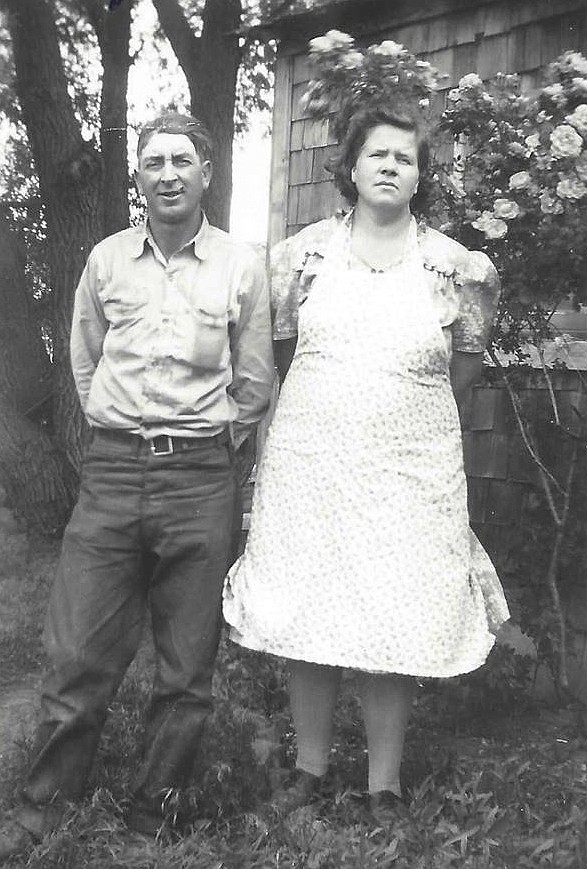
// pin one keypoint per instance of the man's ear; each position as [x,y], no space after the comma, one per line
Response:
[206,173]
[137,180]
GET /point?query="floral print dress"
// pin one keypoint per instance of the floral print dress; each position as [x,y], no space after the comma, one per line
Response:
[360,552]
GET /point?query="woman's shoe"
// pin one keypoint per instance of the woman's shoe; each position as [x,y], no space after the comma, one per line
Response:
[300,789]
[387,808]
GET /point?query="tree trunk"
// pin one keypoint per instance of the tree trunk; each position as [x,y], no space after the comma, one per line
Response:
[213,96]
[39,485]
[69,171]
[210,63]
[112,26]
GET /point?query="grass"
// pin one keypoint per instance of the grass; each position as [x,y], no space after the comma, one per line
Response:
[494,781]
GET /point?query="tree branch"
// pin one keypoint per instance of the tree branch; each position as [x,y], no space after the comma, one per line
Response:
[546,475]
[184,42]
[94,12]
[562,677]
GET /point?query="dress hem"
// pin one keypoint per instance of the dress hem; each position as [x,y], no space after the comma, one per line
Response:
[257,646]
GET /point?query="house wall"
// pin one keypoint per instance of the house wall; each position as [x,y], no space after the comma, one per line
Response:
[457,36]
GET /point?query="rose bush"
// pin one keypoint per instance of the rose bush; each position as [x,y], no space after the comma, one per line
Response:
[346,77]
[522,194]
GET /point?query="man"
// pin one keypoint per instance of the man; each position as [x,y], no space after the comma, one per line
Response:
[171,353]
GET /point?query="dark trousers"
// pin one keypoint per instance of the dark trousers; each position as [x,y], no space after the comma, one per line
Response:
[178,510]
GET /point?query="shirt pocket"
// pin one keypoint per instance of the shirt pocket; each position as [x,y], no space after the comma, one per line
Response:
[209,344]
[125,308]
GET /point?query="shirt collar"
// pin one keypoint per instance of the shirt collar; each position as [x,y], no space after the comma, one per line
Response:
[200,242]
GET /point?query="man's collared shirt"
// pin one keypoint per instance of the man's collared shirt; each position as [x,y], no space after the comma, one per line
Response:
[179,347]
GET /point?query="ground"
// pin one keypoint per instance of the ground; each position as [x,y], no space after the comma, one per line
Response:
[494,780]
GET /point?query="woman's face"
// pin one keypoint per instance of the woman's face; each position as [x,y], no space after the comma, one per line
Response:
[386,172]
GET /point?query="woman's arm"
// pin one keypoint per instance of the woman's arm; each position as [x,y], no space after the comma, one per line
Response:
[283,353]
[465,370]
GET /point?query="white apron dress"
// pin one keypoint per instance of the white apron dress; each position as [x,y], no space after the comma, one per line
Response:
[360,553]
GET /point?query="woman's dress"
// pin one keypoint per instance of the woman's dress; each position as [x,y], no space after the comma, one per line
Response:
[360,552]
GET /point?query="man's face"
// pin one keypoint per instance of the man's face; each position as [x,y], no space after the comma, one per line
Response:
[172,178]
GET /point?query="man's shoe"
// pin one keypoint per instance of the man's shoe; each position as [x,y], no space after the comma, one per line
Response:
[387,808]
[301,789]
[15,839]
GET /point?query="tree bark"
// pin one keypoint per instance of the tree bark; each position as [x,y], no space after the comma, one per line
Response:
[39,485]
[112,26]
[210,63]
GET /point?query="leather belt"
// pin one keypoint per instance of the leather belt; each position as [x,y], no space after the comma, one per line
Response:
[160,445]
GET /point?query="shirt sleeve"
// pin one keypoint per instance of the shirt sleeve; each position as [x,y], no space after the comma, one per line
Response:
[252,354]
[88,330]
[477,288]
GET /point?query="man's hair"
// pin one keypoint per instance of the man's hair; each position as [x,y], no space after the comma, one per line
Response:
[174,122]
[359,127]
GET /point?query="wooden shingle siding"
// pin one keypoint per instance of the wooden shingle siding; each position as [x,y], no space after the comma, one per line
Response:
[486,454]
[483,36]
[300,167]
[494,452]
[316,201]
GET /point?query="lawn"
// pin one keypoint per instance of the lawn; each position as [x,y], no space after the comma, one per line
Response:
[494,780]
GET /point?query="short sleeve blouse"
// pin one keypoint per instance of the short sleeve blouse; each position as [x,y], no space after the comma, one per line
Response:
[464,284]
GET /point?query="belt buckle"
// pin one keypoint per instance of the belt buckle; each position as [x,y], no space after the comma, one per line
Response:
[164,450]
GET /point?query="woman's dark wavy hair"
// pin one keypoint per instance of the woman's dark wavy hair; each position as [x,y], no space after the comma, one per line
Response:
[359,127]
[174,122]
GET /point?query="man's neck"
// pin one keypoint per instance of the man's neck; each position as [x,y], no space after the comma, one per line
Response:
[170,237]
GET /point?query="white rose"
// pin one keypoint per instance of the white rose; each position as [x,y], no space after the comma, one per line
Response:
[565,142]
[496,229]
[570,188]
[532,142]
[470,81]
[331,40]
[351,60]
[516,150]
[389,48]
[491,226]
[580,85]
[575,61]
[481,222]
[578,119]
[520,180]
[506,209]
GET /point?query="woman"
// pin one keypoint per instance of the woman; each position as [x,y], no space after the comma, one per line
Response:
[360,554]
